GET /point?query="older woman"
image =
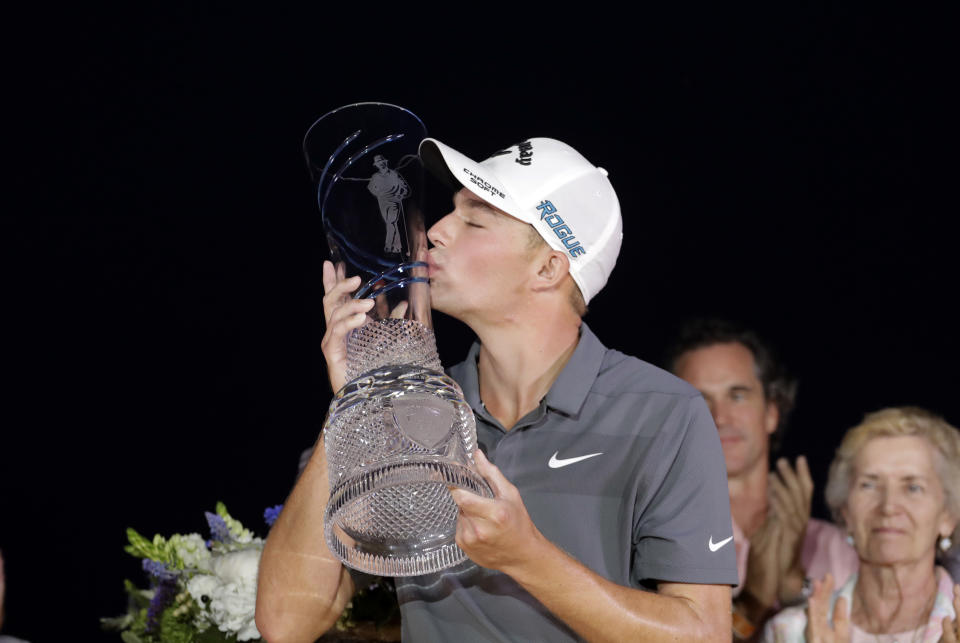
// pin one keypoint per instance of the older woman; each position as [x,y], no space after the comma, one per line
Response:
[894,485]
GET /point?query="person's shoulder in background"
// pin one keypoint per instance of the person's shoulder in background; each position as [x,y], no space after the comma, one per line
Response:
[825,549]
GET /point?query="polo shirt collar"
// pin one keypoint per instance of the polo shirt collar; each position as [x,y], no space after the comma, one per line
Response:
[470,381]
[571,387]
[569,390]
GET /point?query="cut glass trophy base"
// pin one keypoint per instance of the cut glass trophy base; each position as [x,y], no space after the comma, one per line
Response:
[398,518]
[396,437]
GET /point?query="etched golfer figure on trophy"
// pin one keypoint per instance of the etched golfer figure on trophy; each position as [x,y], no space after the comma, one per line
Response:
[391,189]
[399,433]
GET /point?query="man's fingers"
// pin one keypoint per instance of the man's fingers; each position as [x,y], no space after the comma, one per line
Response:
[333,274]
[469,502]
[786,504]
[767,530]
[775,507]
[765,540]
[792,484]
[329,276]
[345,318]
[465,501]
[466,531]
[399,311]
[806,480]
[340,289]
[788,522]
[336,291]
[498,483]
[777,492]
[791,509]
[477,509]
[349,308]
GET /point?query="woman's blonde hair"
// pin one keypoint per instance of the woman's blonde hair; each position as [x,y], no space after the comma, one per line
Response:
[896,422]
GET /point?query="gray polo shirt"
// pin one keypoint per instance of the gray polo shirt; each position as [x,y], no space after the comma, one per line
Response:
[620,466]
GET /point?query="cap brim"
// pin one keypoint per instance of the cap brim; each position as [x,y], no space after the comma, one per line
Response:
[456,169]
[432,159]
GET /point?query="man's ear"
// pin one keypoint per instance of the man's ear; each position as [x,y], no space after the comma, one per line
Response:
[772,417]
[553,266]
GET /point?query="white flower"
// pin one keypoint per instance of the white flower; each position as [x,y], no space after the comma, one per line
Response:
[237,545]
[232,610]
[202,585]
[192,551]
[230,591]
[238,567]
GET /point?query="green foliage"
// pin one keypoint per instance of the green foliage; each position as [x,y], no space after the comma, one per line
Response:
[139,597]
[175,622]
[213,635]
[159,550]
[117,623]
[135,620]
[234,525]
[176,629]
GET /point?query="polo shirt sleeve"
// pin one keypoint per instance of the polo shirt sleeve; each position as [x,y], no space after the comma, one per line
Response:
[683,531]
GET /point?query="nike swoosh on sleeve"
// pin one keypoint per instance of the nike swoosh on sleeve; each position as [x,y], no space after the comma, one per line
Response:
[715,546]
[556,463]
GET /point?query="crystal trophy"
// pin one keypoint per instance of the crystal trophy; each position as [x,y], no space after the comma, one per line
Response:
[399,433]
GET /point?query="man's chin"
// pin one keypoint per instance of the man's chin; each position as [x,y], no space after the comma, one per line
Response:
[438,304]
[736,467]
[438,299]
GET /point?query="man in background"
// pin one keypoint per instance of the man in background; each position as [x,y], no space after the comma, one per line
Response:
[779,547]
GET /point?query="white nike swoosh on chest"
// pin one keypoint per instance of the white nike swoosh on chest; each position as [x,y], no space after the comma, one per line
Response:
[556,463]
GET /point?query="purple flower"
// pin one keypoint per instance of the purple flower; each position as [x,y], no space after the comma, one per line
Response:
[163,594]
[218,528]
[158,570]
[271,514]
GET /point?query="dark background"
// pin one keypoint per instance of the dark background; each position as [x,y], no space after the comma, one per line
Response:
[162,249]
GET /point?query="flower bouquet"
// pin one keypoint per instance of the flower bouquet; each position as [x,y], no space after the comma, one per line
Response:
[201,591]
[205,591]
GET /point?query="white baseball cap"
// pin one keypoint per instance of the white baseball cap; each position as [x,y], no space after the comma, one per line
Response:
[549,185]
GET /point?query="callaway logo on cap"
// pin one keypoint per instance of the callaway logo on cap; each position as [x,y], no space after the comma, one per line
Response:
[549,185]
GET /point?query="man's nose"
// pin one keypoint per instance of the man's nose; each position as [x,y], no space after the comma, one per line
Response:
[721,413]
[437,234]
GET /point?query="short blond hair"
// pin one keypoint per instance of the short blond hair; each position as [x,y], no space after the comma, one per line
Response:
[897,422]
